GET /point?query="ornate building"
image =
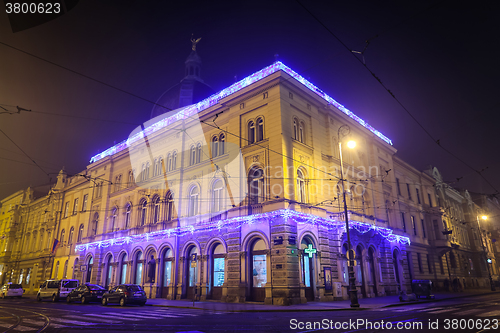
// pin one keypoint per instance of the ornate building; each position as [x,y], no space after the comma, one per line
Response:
[239,198]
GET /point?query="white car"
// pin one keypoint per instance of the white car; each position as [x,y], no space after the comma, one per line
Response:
[56,289]
[11,290]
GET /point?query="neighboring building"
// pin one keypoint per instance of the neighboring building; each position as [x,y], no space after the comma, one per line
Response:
[9,226]
[239,198]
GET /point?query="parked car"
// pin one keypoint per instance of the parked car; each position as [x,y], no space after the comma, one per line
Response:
[86,293]
[56,289]
[125,294]
[11,290]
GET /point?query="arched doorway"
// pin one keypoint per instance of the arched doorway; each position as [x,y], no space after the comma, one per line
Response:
[307,267]
[90,264]
[138,268]
[395,263]
[217,270]
[108,272]
[258,270]
[360,270]
[191,270]
[166,272]
[371,268]
[123,269]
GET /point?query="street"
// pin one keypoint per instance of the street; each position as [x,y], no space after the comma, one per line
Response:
[471,314]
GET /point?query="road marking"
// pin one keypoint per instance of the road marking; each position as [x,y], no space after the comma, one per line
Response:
[468,312]
[41,323]
[74,322]
[431,309]
[106,316]
[97,319]
[18,328]
[129,315]
[442,311]
[490,314]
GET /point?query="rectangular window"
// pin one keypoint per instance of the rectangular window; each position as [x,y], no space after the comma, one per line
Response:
[423,229]
[403,221]
[409,192]
[66,209]
[430,199]
[218,272]
[397,184]
[429,264]
[259,270]
[418,196]
[75,206]
[419,259]
[84,205]
[413,225]
[167,273]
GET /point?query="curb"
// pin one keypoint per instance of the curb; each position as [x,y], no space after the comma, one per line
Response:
[328,309]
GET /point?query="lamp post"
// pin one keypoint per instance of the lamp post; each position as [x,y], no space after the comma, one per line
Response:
[484,217]
[344,130]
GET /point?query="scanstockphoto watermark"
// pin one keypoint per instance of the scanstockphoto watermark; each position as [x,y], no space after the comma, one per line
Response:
[357,324]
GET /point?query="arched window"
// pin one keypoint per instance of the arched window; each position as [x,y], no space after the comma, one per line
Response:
[301,132]
[251,132]
[130,178]
[138,267]
[156,210]
[198,153]
[174,160]
[65,269]
[169,162]
[156,169]
[128,211]
[70,237]
[90,264]
[95,224]
[109,271]
[256,186]
[33,244]
[123,269]
[112,222]
[80,233]
[142,219]
[215,146]
[295,129]
[301,187]
[260,129]
[146,174]
[222,142]
[41,241]
[194,194]
[192,159]
[160,165]
[217,197]
[49,240]
[169,201]
[143,172]
[63,233]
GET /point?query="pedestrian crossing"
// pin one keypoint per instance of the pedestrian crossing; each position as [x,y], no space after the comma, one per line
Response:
[455,310]
[78,318]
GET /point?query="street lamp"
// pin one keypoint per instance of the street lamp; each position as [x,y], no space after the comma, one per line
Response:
[484,218]
[344,130]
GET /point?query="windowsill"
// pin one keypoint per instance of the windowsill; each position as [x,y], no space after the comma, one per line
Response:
[256,143]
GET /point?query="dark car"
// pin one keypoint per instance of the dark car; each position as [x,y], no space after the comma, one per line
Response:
[86,293]
[125,294]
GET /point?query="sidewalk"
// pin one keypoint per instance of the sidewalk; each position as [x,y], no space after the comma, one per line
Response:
[365,303]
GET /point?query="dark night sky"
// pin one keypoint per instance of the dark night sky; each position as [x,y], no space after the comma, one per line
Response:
[440,62]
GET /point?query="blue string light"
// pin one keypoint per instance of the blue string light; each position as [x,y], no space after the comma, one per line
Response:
[335,222]
[191,110]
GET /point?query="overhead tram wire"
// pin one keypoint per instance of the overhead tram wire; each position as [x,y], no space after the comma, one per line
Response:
[436,141]
[32,160]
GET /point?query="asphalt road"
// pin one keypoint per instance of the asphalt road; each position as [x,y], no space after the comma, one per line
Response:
[472,314]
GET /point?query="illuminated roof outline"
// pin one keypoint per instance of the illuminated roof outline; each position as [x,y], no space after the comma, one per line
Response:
[193,109]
